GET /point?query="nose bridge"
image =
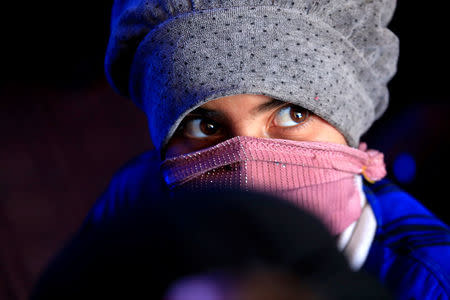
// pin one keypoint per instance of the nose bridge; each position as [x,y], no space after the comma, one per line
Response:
[252,127]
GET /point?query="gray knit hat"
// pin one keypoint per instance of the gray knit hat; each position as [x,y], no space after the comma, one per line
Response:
[332,57]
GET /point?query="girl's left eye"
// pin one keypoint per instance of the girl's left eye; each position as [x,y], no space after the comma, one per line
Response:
[291,115]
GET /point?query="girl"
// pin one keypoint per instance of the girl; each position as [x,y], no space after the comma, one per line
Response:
[274,95]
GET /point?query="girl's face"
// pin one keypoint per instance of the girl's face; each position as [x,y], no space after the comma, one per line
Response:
[248,115]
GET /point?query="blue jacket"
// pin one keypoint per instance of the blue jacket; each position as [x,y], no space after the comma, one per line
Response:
[411,250]
[410,253]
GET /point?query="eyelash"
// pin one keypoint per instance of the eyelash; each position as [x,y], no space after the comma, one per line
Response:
[293,127]
[190,118]
[285,129]
[294,130]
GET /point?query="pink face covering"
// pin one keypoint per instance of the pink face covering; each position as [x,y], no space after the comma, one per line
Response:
[317,176]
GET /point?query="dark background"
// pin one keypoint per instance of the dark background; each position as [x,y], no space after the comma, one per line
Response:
[64,132]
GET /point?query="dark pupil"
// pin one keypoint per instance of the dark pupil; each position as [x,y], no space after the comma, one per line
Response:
[208,127]
[298,114]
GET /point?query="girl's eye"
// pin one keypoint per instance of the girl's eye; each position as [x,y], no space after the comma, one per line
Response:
[291,115]
[200,127]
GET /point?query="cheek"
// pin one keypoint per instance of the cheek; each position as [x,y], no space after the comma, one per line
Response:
[315,130]
[325,132]
[178,146]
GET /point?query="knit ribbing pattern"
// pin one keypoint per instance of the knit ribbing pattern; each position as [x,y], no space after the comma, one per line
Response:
[318,177]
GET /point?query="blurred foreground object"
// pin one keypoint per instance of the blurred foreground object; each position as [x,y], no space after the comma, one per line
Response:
[147,250]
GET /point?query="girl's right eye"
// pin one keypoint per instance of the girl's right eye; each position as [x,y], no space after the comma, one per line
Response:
[200,128]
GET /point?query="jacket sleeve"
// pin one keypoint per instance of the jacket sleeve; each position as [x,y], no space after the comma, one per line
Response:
[137,181]
[410,252]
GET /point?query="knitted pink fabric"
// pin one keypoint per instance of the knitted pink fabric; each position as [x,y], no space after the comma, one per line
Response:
[317,176]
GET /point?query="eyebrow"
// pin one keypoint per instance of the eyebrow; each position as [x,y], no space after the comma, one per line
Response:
[204,112]
[274,103]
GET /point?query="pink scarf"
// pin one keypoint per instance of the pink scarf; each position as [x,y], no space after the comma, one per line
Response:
[317,176]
